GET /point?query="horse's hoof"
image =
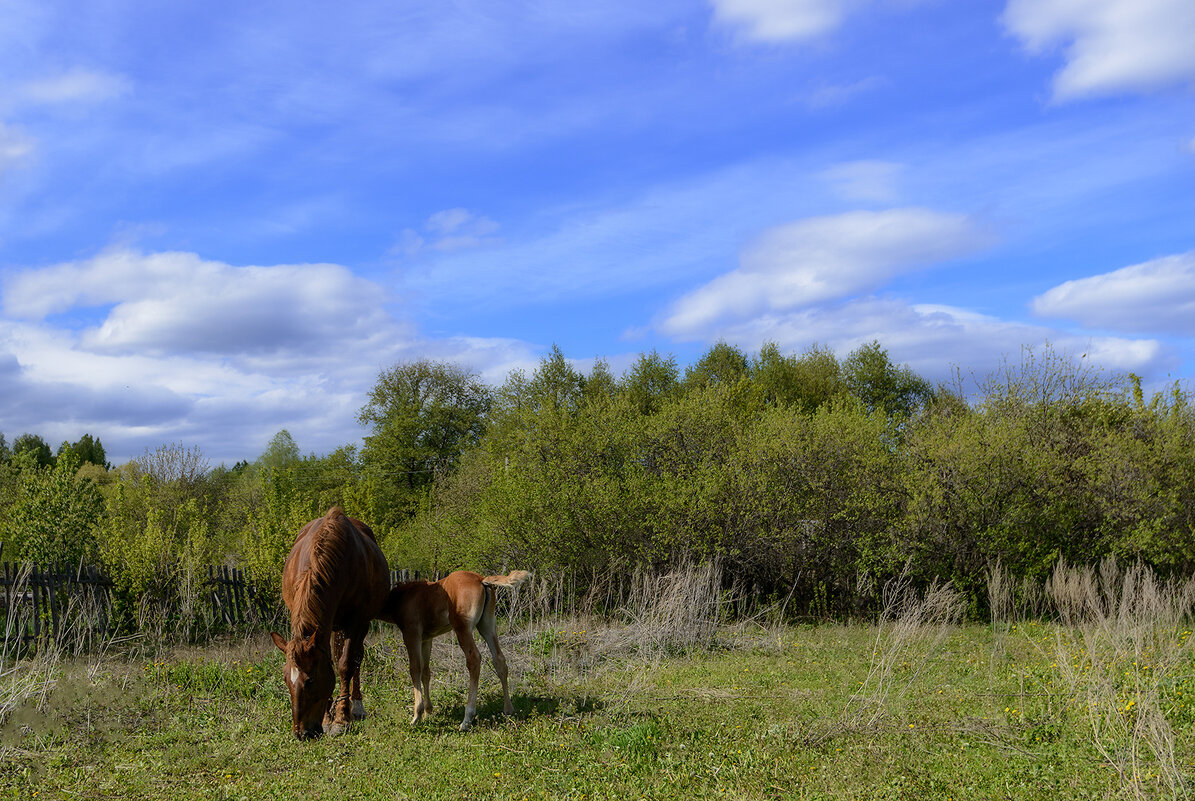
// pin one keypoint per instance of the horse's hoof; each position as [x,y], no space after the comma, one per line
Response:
[465,726]
[336,729]
[358,710]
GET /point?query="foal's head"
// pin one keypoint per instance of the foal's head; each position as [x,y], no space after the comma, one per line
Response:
[309,677]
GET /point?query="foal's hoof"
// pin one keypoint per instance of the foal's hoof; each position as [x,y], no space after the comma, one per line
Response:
[358,710]
[465,726]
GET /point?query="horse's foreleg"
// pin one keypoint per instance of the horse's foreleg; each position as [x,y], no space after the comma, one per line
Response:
[337,653]
[348,665]
[358,701]
[473,662]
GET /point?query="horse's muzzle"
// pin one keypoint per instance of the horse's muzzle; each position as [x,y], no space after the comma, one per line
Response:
[309,734]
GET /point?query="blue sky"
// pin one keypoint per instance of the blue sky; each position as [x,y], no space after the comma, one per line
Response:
[219,220]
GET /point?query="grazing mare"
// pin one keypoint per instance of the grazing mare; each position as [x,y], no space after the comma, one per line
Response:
[459,602]
[335,582]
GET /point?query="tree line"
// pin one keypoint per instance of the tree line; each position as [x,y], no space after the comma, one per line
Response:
[812,478]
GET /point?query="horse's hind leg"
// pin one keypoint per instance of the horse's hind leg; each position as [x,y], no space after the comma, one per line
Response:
[487,627]
[473,662]
[425,676]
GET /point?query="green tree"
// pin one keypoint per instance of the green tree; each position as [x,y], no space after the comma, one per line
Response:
[556,384]
[88,450]
[55,512]
[722,364]
[600,384]
[803,382]
[871,377]
[421,415]
[35,445]
[281,452]
[651,381]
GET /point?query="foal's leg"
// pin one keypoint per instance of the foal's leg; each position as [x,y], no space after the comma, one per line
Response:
[473,662]
[414,645]
[425,676]
[487,627]
[348,665]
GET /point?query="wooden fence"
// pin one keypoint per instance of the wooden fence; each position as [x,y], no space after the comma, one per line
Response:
[54,602]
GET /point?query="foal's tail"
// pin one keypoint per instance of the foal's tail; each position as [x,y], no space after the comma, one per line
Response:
[515,578]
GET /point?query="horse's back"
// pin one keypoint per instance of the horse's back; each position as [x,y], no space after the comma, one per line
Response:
[352,570]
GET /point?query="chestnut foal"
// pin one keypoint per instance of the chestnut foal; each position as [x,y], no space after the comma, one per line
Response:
[459,602]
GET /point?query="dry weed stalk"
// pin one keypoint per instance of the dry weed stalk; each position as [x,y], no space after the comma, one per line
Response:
[1121,641]
[23,678]
[910,631]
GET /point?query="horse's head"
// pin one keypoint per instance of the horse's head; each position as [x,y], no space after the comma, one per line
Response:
[309,677]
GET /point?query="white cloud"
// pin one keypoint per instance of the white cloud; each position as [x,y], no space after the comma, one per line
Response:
[166,302]
[1156,296]
[781,20]
[1111,45]
[447,231]
[832,95]
[933,339]
[820,259]
[866,180]
[15,147]
[75,86]
[141,349]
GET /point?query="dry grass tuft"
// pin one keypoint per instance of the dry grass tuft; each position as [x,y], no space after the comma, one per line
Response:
[677,610]
[909,635]
[1122,641]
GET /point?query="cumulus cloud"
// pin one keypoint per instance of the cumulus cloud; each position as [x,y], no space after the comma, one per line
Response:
[141,349]
[167,302]
[821,259]
[1111,45]
[781,20]
[1156,296]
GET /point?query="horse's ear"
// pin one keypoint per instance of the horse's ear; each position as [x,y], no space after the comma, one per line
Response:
[311,640]
[278,641]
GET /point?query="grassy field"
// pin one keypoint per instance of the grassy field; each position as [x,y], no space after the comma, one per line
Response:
[832,711]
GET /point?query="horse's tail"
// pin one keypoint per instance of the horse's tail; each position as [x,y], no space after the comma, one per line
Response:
[515,578]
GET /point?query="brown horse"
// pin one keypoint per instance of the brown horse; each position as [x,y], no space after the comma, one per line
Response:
[334,581]
[460,602]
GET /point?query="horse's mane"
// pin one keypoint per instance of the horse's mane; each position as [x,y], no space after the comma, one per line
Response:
[328,544]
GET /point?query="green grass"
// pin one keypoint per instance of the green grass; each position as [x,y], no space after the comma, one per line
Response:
[765,714]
